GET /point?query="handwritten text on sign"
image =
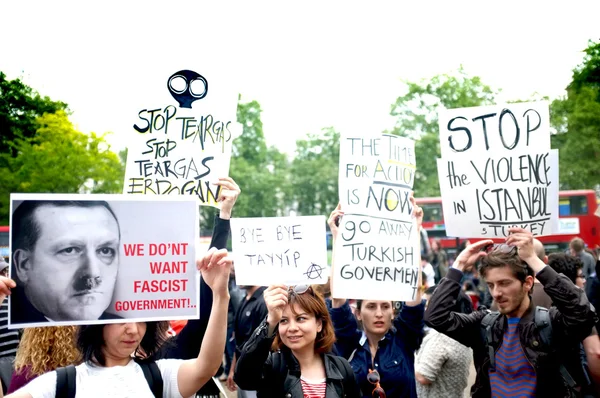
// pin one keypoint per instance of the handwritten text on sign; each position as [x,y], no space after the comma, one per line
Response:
[290,250]
[511,180]
[377,249]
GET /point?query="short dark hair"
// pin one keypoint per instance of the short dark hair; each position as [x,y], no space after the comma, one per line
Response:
[565,264]
[90,341]
[25,228]
[498,259]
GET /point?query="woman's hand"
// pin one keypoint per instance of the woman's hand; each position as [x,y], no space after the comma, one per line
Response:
[227,197]
[215,266]
[334,220]
[276,298]
[5,285]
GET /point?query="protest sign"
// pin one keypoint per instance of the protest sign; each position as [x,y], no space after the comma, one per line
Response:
[376,255]
[500,174]
[182,137]
[91,259]
[273,250]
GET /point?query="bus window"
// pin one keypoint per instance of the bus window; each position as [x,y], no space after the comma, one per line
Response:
[432,212]
[573,206]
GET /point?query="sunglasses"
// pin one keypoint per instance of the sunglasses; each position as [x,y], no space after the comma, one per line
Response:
[299,289]
[502,248]
[374,378]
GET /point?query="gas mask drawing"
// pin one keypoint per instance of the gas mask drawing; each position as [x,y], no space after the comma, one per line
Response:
[186,96]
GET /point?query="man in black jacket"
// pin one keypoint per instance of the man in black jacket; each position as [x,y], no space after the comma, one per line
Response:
[517,358]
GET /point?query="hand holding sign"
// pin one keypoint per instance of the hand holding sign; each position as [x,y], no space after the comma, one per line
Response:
[334,220]
[228,195]
[468,257]
[5,285]
[276,298]
[417,212]
[523,239]
[215,267]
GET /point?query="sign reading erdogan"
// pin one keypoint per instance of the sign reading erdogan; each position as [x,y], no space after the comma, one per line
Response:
[84,259]
[182,137]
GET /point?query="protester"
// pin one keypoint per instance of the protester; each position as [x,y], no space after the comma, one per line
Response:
[577,249]
[384,350]
[299,330]
[9,338]
[109,367]
[518,359]
[74,244]
[442,364]
[438,259]
[43,350]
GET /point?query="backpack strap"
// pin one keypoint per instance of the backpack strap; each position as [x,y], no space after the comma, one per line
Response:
[66,382]
[487,324]
[543,324]
[153,377]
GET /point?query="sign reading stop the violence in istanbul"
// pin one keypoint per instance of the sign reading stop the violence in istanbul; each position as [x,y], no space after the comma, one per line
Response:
[497,170]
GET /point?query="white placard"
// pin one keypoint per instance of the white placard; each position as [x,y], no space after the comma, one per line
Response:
[488,130]
[274,250]
[483,196]
[181,139]
[377,253]
[102,259]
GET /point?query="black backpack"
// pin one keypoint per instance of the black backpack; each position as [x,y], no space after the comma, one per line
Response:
[66,379]
[544,326]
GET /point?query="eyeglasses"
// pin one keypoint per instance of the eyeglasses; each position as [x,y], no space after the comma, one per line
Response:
[502,248]
[374,378]
[299,289]
[581,276]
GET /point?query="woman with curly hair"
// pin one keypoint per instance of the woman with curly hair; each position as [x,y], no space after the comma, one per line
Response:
[42,350]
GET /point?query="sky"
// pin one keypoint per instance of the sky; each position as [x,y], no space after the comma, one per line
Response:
[310,64]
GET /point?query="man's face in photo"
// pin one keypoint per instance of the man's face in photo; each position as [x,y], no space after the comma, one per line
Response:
[70,272]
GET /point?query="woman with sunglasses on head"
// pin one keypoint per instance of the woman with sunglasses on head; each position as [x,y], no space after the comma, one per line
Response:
[382,354]
[289,354]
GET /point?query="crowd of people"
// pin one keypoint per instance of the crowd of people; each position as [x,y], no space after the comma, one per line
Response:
[537,339]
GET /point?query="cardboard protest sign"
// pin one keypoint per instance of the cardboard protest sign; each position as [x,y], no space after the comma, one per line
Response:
[87,259]
[498,177]
[376,255]
[273,250]
[181,140]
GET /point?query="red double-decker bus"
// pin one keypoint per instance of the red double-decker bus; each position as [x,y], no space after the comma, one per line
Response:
[576,215]
[4,242]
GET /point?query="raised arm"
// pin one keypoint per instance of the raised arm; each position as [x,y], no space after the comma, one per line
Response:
[194,373]
[572,315]
[252,368]
[463,328]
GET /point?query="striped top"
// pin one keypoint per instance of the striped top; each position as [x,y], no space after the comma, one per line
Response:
[514,376]
[9,338]
[313,388]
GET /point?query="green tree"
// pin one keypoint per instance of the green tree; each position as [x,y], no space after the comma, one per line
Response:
[416,113]
[314,173]
[59,159]
[576,118]
[20,106]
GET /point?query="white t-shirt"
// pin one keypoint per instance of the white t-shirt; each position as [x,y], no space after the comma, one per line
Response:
[117,381]
[430,274]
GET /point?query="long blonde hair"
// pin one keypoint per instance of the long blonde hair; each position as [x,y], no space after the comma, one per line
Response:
[46,349]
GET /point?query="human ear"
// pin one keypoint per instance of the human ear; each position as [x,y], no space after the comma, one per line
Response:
[22,264]
[319,325]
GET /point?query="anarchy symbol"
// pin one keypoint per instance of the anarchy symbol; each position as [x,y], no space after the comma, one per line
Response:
[314,271]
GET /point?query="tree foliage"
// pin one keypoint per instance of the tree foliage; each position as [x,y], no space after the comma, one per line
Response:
[576,118]
[416,113]
[58,159]
[314,173]
[20,107]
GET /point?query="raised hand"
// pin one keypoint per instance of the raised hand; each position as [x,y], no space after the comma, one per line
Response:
[215,266]
[276,298]
[5,285]
[468,257]
[523,240]
[334,220]
[227,197]
[417,212]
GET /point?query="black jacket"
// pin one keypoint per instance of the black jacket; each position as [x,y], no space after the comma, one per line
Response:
[572,320]
[280,374]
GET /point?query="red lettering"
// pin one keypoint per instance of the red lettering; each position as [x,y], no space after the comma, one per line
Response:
[162,286]
[134,249]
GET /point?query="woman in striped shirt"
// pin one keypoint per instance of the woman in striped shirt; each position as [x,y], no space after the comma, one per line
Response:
[299,330]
